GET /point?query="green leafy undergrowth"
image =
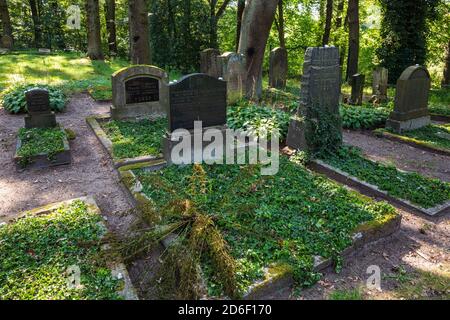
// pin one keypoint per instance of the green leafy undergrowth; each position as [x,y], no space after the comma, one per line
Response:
[36,252]
[289,217]
[133,139]
[36,141]
[255,119]
[350,294]
[363,117]
[439,102]
[13,98]
[420,190]
[433,135]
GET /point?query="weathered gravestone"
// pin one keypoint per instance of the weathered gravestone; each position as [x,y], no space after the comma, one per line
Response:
[195,97]
[6,42]
[44,51]
[357,83]
[209,63]
[233,71]
[278,68]
[139,92]
[39,112]
[380,85]
[411,100]
[317,124]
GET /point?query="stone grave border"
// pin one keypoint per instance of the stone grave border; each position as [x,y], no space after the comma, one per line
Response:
[439,117]
[277,276]
[94,124]
[41,161]
[127,291]
[372,190]
[411,142]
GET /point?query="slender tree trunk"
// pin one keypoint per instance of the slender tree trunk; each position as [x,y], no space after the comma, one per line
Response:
[257,20]
[240,11]
[94,49]
[353,39]
[36,23]
[139,32]
[340,12]
[281,37]
[110,15]
[6,22]
[446,79]
[328,19]
[214,20]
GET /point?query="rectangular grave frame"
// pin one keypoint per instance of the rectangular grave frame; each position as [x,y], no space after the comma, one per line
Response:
[94,124]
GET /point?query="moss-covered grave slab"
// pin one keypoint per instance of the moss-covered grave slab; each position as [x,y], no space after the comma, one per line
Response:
[322,202]
[95,122]
[45,269]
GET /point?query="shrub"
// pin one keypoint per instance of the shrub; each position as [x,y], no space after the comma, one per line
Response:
[361,117]
[13,98]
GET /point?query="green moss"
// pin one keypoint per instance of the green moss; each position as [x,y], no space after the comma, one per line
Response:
[288,218]
[35,141]
[420,190]
[36,251]
[351,294]
[134,139]
[434,136]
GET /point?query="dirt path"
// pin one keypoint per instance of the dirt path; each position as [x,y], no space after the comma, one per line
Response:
[91,171]
[422,243]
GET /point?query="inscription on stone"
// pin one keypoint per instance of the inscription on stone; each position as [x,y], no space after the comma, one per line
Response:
[142,89]
[37,100]
[197,97]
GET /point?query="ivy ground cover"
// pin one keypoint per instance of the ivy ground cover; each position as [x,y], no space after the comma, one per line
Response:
[36,252]
[134,139]
[420,190]
[287,218]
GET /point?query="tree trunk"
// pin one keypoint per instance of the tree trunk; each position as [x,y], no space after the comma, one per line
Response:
[281,37]
[6,23]
[110,15]
[240,11]
[94,49]
[139,32]
[36,23]
[353,39]
[328,19]
[446,79]
[340,11]
[214,20]
[257,20]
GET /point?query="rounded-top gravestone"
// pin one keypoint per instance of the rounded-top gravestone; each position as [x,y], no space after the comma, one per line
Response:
[139,92]
[411,100]
[39,111]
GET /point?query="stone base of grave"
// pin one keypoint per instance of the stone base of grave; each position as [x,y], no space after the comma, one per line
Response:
[42,161]
[40,120]
[170,142]
[137,112]
[406,125]
[296,135]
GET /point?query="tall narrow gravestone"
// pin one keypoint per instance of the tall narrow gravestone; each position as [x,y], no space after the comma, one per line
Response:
[209,63]
[278,68]
[139,92]
[39,112]
[411,100]
[357,82]
[195,97]
[380,85]
[233,72]
[318,114]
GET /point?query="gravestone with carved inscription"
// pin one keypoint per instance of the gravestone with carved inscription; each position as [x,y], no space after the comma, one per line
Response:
[278,68]
[196,99]
[411,100]
[210,62]
[39,113]
[234,73]
[139,92]
[380,85]
[357,82]
[317,123]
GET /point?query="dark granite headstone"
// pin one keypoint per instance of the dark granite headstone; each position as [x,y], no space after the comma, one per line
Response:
[209,63]
[39,111]
[197,97]
[320,92]
[278,68]
[357,83]
[139,92]
[411,100]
